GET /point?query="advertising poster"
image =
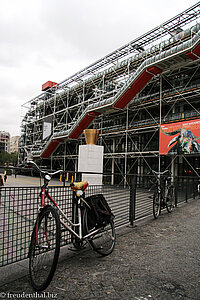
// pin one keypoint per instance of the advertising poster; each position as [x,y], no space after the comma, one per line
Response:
[180,138]
[47,127]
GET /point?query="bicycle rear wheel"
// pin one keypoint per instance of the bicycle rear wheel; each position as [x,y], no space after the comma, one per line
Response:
[156,205]
[103,242]
[44,248]
[170,203]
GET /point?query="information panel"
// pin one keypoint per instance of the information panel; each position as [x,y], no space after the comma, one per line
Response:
[180,138]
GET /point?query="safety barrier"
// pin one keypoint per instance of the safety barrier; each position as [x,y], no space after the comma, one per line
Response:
[142,189]
[19,207]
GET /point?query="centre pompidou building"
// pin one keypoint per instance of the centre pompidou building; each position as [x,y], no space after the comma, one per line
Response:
[143,97]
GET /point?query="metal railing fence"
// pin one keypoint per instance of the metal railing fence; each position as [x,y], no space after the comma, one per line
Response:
[19,208]
[186,188]
[142,189]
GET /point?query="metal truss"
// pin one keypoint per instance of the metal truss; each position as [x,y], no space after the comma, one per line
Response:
[130,138]
[129,134]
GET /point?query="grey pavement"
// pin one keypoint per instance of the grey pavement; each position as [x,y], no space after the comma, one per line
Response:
[22,180]
[157,259]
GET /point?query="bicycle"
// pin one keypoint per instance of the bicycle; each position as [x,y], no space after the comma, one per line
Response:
[164,195]
[45,240]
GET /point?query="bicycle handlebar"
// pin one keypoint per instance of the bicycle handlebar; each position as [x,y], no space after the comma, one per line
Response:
[43,172]
[160,173]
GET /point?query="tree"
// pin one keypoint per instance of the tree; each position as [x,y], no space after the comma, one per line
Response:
[8,158]
[4,157]
[14,158]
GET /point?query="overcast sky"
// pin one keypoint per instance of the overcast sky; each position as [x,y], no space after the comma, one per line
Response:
[45,40]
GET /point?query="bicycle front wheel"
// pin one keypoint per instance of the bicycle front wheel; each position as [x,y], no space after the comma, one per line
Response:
[103,242]
[44,248]
[156,205]
[170,201]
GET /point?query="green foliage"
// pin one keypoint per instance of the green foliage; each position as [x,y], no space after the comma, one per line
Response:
[8,158]
[14,158]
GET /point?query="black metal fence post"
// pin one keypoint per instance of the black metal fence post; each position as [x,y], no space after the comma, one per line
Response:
[186,192]
[194,189]
[132,201]
[176,191]
[73,212]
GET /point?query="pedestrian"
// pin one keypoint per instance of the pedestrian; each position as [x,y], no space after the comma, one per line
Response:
[1,185]
[5,176]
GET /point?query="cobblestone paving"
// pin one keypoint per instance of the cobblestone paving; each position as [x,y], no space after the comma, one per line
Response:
[158,259]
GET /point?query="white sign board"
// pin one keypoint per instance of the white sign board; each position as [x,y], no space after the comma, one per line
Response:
[90,159]
[47,125]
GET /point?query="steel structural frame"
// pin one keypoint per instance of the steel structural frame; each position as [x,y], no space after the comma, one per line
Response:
[150,126]
[64,109]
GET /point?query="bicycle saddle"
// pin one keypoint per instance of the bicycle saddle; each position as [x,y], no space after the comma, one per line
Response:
[82,185]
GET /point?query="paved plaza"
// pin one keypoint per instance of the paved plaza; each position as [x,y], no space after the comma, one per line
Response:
[157,259]
[20,181]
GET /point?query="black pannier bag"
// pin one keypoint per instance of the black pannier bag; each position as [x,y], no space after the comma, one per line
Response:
[99,214]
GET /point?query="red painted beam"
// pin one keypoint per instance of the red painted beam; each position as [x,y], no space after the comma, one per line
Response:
[51,148]
[197,50]
[83,124]
[137,86]
[191,55]
[195,53]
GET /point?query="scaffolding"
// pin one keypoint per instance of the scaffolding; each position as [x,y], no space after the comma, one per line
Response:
[127,94]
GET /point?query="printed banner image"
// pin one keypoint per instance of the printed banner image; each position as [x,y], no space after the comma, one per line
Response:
[47,127]
[180,138]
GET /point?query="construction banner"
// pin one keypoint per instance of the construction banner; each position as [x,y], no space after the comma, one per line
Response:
[180,138]
[47,127]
